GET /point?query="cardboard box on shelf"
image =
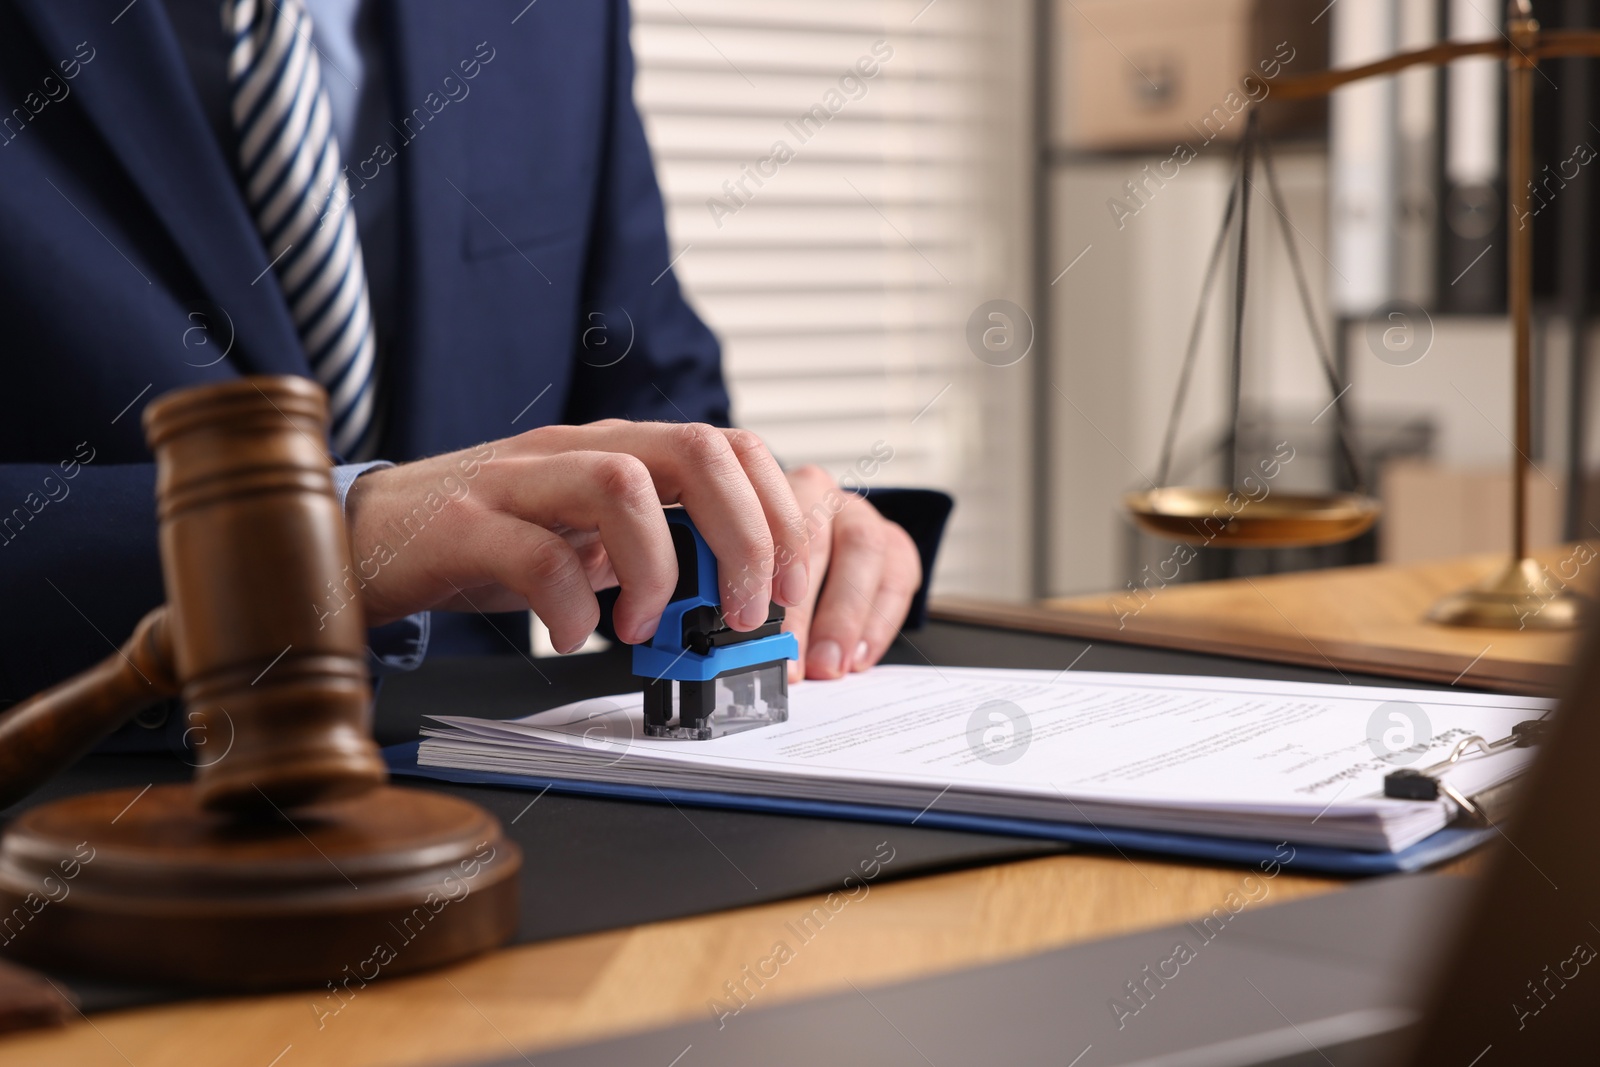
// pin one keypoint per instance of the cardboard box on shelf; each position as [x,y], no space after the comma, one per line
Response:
[1156,74]
[1432,511]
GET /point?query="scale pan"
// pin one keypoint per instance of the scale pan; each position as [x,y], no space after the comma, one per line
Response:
[1279,520]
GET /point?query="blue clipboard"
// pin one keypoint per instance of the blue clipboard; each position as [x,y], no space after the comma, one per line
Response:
[1444,845]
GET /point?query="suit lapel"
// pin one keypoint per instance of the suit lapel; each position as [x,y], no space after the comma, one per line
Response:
[139,95]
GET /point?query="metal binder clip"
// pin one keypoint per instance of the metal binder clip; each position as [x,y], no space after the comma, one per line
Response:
[1408,783]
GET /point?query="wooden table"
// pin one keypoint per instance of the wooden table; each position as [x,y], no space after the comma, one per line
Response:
[522,1000]
[532,997]
[1365,619]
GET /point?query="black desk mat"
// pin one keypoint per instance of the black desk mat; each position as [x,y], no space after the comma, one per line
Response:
[595,864]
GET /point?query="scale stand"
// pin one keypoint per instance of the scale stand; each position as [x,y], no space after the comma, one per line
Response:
[1522,594]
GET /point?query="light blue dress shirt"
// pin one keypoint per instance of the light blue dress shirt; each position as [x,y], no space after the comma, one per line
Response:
[350,46]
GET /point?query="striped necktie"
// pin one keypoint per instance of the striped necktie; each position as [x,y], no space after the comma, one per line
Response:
[294,183]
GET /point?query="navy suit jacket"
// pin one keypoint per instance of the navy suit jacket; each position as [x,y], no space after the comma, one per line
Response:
[129,265]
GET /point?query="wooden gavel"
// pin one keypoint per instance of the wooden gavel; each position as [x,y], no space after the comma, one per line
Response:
[251,540]
[289,850]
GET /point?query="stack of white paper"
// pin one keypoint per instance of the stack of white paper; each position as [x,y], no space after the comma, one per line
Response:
[1234,757]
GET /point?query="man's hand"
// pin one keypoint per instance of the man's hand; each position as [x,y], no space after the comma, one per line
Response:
[872,571]
[545,518]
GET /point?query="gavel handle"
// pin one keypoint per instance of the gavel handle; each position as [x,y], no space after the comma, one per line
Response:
[44,735]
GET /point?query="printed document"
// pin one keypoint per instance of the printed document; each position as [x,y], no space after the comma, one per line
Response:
[1232,757]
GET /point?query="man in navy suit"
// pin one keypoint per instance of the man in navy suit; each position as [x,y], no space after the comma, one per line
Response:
[510,229]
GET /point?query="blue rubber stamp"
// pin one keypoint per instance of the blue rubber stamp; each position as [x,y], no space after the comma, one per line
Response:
[704,680]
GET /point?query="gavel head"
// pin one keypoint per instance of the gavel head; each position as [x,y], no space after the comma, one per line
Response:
[268,640]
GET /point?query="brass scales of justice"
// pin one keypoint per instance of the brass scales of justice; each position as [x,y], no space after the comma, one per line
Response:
[1516,595]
